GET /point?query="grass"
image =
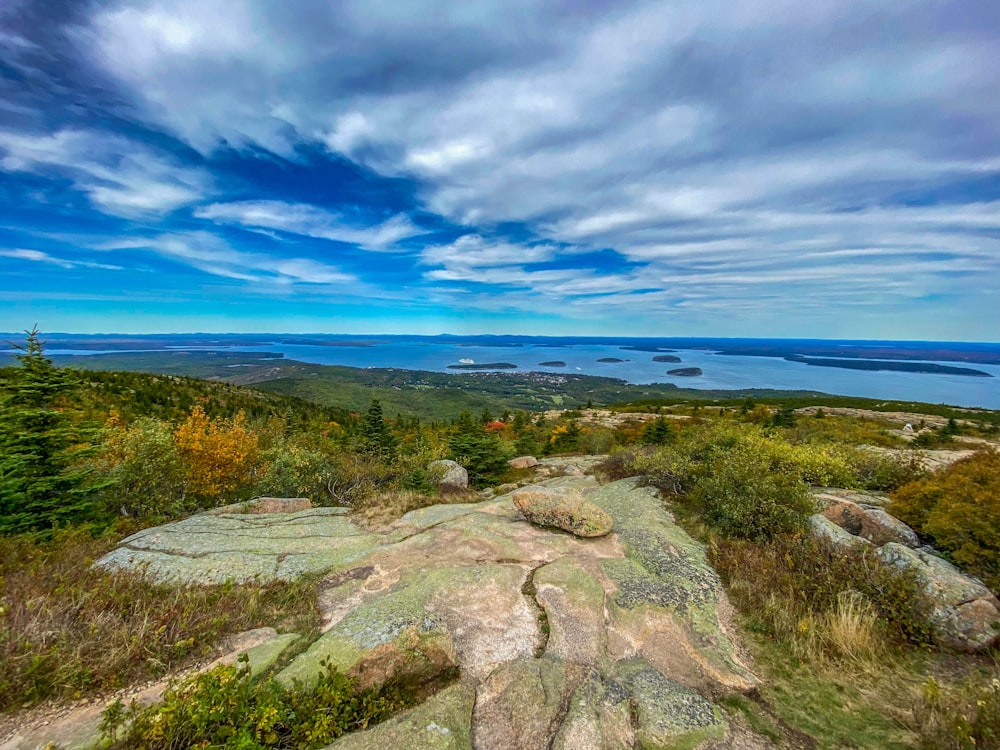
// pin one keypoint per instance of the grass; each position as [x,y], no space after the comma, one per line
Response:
[68,630]
[382,508]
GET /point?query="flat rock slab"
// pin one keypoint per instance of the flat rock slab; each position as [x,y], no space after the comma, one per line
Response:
[552,640]
[214,548]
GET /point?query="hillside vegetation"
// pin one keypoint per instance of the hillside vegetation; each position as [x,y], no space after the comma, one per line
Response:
[87,457]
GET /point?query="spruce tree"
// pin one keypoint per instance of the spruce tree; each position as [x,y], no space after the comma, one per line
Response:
[41,482]
[376,437]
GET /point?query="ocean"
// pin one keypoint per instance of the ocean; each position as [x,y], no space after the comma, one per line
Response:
[719,371]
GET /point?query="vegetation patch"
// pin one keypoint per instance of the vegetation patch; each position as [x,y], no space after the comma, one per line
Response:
[958,509]
[228,708]
[68,629]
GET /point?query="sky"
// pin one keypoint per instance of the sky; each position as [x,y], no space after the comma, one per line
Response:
[771,168]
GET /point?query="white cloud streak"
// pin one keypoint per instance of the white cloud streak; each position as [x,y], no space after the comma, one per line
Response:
[311,221]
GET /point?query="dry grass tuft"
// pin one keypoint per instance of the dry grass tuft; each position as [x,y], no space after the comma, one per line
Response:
[382,508]
[68,629]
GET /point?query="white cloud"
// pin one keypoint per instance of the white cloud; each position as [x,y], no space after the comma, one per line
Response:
[311,221]
[120,176]
[37,256]
[210,254]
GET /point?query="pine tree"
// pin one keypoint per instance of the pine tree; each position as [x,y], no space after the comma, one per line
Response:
[41,483]
[376,437]
[658,432]
[479,451]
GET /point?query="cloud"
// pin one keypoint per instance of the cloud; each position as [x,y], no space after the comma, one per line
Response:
[120,177]
[311,221]
[212,255]
[745,155]
[37,256]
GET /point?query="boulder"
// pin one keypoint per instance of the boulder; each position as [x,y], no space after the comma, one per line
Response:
[879,528]
[564,509]
[846,514]
[825,530]
[450,476]
[523,462]
[964,614]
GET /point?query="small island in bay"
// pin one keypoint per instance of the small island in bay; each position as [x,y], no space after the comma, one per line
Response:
[553,363]
[667,358]
[897,366]
[685,372]
[611,359]
[484,366]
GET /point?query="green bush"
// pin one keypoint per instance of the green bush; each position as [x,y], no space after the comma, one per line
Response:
[227,708]
[145,474]
[744,498]
[295,471]
[959,509]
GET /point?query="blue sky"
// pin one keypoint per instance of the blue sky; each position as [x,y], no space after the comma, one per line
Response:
[723,168]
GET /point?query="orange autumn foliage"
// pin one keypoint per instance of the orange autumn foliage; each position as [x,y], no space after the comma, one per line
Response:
[221,455]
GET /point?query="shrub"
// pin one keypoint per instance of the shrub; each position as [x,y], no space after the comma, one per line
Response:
[959,509]
[227,708]
[822,601]
[221,455]
[963,719]
[144,470]
[745,498]
[295,471]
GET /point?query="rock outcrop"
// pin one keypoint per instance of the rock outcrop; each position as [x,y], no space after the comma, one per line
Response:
[450,476]
[963,612]
[562,508]
[553,641]
[523,462]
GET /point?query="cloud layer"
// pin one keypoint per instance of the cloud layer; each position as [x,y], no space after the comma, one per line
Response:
[747,167]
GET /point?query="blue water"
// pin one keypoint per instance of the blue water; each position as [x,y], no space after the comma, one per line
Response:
[720,371]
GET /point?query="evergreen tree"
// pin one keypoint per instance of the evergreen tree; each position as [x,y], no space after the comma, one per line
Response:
[376,437]
[41,483]
[478,450]
[658,432]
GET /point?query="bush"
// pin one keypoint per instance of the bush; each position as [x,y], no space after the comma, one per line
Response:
[221,455]
[963,719]
[744,498]
[227,708]
[294,471]
[825,603]
[144,470]
[959,509]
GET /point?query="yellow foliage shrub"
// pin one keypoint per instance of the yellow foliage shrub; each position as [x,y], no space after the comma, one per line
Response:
[220,455]
[959,508]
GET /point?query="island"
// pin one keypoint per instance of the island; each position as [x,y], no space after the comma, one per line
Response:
[685,372]
[611,359]
[667,358]
[485,366]
[894,365]
[553,363]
